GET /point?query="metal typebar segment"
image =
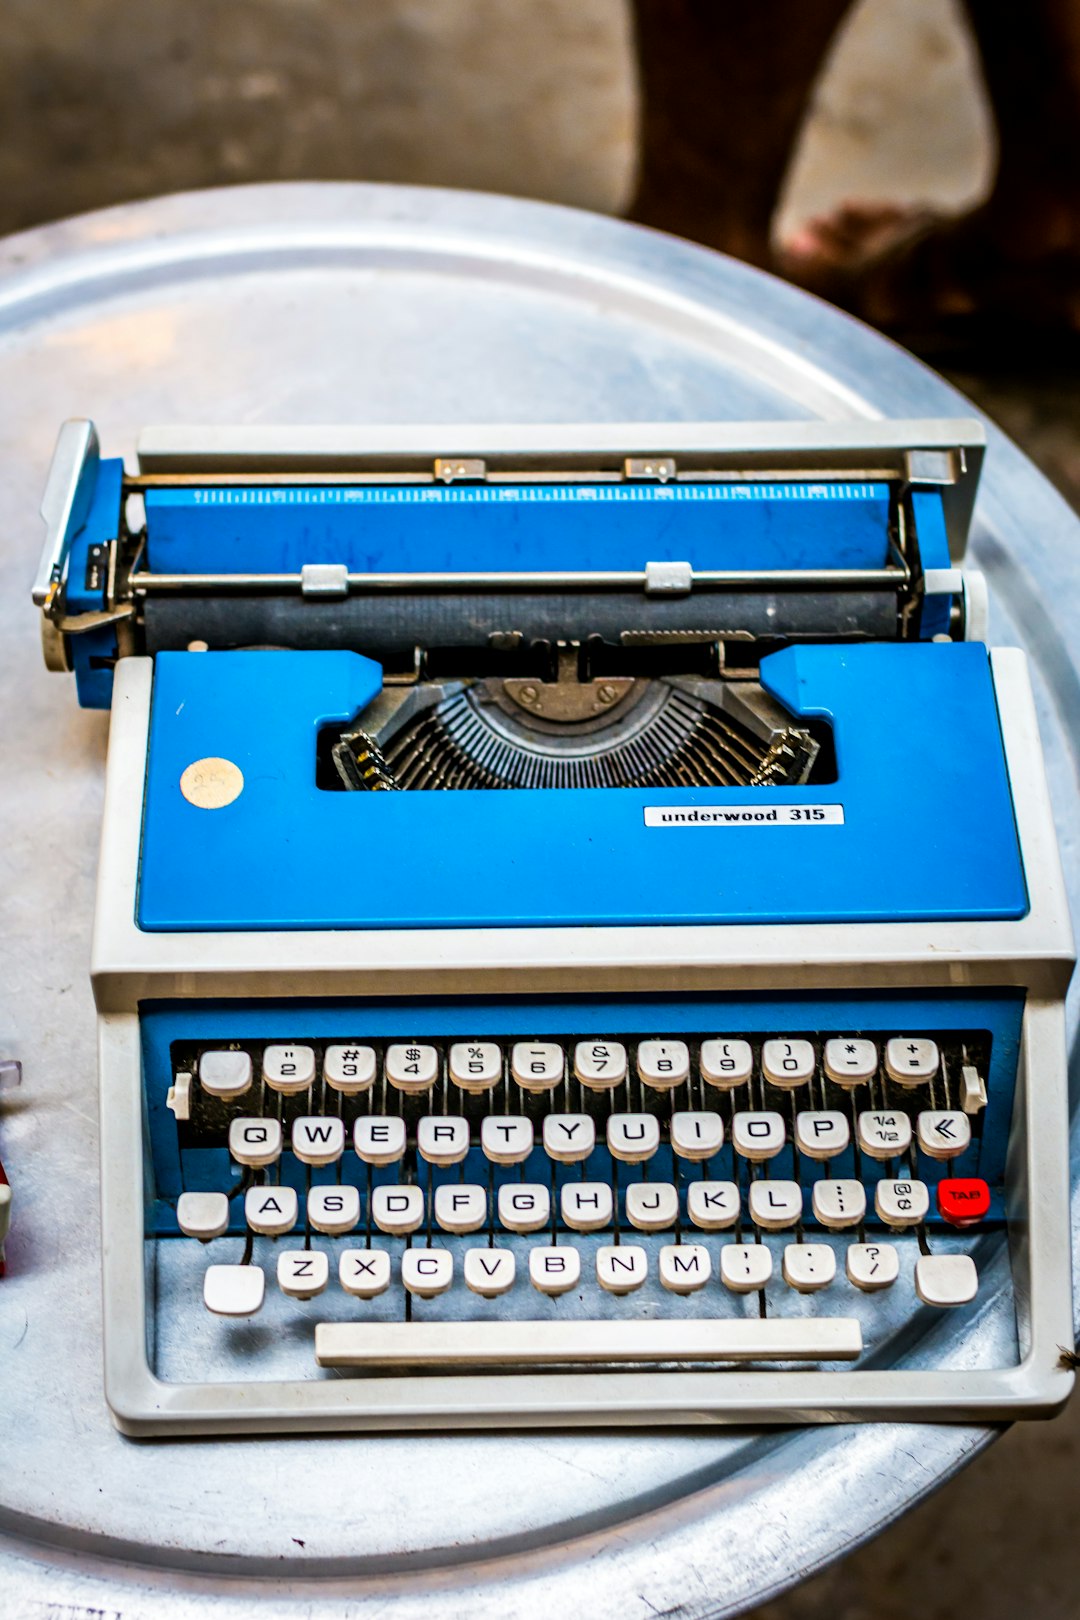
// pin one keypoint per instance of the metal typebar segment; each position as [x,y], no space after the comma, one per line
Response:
[520,1344]
[704,579]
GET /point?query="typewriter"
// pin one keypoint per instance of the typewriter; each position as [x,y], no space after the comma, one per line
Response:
[580,934]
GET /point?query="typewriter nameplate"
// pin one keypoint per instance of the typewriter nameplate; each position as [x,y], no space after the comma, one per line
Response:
[744,815]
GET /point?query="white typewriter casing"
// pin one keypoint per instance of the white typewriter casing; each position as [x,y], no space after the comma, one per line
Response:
[1033,954]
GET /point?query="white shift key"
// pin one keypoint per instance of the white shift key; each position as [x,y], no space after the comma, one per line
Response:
[946,1279]
[234,1290]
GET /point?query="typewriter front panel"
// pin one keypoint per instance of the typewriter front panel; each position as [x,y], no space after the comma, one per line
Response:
[689,1182]
[706,743]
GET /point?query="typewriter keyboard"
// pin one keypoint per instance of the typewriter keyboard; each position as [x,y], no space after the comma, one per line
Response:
[635,1196]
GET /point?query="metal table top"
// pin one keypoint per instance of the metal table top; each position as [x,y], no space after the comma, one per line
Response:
[336,303]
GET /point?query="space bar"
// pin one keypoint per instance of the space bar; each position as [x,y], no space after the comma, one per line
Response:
[533,1344]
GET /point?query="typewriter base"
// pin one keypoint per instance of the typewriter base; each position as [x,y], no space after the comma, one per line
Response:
[179,308]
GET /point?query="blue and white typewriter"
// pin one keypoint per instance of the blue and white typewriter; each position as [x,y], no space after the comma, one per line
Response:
[580,935]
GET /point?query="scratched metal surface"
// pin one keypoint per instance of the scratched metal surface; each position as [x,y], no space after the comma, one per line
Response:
[337,303]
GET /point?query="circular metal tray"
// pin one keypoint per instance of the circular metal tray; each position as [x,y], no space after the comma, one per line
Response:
[334,303]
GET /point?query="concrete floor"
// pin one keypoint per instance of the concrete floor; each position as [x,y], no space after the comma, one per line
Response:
[102,101]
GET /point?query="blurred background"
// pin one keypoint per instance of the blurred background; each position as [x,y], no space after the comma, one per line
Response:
[883,102]
[593,103]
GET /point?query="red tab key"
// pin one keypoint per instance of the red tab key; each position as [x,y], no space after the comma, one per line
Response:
[963,1201]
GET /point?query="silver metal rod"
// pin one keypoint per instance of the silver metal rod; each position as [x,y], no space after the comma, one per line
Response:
[854,579]
[136,483]
[517,1344]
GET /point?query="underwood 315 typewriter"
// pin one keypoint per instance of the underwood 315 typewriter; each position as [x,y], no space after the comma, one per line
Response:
[580,935]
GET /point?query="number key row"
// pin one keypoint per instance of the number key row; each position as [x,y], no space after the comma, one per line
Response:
[540,1066]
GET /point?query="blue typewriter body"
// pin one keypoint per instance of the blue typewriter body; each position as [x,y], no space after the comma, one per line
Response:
[675,758]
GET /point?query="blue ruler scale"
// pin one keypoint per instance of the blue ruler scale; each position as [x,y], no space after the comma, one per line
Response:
[508,527]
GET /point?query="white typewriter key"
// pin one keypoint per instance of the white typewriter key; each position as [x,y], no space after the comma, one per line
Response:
[663,1064]
[555,1271]
[696,1135]
[234,1290]
[524,1206]
[490,1272]
[943,1134]
[600,1064]
[809,1266]
[587,1206]
[379,1138]
[726,1063]
[911,1059]
[850,1061]
[633,1137]
[757,1136]
[684,1267]
[460,1207]
[775,1204]
[902,1203]
[364,1272]
[946,1279]
[652,1206]
[333,1210]
[289,1068]
[476,1065]
[838,1203]
[713,1205]
[442,1138]
[225,1074]
[255,1142]
[871,1266]
[884,1135]
[349,1068]
[202,1215]
[506,1138]
[427,1272]
[569,1137]
[397,1210]
[302,1273]
[271,1210]
[538,1065]
[318,1141]
[788,1063]
[412,1068]
[745,1267]
[821,1134]
[621,1267]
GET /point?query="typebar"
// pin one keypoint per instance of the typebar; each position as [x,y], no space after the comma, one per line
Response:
[522,1344]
